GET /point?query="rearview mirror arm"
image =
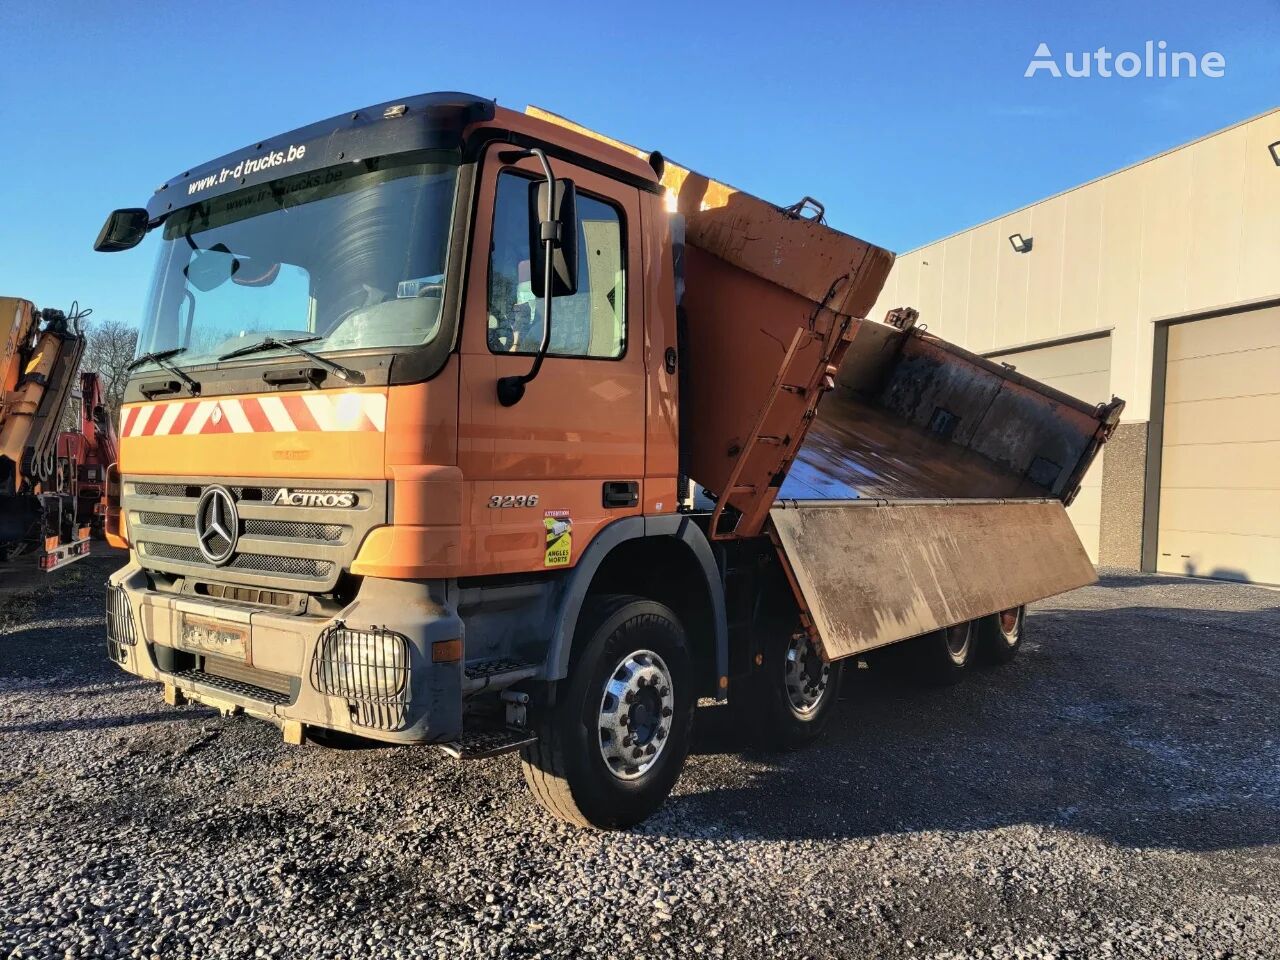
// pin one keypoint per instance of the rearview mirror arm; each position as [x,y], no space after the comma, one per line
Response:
[511,389]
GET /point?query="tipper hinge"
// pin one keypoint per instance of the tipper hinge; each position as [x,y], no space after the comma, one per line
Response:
[821,379]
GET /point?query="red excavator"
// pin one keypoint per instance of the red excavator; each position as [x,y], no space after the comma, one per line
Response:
[52,480]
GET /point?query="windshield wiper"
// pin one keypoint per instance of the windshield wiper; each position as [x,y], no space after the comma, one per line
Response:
[271,343]
[161,358]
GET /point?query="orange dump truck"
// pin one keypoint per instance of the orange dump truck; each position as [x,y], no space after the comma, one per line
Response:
[454,425]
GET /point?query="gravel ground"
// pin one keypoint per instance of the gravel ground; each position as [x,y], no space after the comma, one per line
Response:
[1114,792]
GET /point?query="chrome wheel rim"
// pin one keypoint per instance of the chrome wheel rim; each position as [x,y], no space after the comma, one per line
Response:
[636,711]
[1009,625]
[807,676]
[958,640]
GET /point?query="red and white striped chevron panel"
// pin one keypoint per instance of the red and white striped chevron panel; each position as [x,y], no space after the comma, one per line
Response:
[290,413]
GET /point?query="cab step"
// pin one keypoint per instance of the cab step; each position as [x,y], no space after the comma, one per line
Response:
[486,742]
[495,674]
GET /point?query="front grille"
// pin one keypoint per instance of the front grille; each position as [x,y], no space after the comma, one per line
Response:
[120,628]
[295,530]
[294,566]
[284,529]
[174,521]
[288,546]
[168,489]
[367,668]
[237,688]
[265,563]
[245,492]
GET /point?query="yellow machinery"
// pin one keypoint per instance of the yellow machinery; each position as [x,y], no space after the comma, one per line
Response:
[41,355]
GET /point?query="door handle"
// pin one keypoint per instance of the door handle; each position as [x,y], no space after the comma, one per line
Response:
[621,493]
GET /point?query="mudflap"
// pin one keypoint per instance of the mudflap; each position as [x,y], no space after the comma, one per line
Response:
[868,573]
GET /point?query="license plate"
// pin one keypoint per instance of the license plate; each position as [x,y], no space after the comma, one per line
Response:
[218,637]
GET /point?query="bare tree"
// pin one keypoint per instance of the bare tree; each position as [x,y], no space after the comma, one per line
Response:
[108,351]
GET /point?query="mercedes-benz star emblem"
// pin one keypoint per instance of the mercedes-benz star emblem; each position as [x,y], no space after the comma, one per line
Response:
[217,525]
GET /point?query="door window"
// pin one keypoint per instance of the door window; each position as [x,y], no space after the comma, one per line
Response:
[591,322]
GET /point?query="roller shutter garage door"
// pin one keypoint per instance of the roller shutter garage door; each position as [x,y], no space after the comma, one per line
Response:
[1083,370]
[1219,510]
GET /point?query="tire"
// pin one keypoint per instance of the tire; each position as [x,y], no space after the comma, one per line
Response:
[341,740]
[787,700]
[583,768]
[943,657]
[1000,635]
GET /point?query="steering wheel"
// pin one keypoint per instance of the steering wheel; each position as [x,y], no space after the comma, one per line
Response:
[503,337]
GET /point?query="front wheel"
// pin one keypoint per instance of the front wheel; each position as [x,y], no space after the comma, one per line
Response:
[787,700]
[610,750]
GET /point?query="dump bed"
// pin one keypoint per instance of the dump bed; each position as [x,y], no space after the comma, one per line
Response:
[908,484]
[931,490]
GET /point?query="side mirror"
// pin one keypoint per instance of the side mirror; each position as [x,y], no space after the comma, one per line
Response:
[123,230]
[553,259]
[564,260]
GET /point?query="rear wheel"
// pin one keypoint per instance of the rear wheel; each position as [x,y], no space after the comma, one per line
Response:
[787,699]
[611,748]
[1000,635]
[942,657]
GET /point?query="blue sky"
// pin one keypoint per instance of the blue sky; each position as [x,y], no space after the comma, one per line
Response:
[909,121]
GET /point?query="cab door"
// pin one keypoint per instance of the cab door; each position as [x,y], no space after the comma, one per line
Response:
[543,476]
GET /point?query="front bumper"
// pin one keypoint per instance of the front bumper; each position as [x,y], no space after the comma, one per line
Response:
[307,685]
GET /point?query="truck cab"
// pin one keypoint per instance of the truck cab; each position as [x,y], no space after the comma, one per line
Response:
[309,532]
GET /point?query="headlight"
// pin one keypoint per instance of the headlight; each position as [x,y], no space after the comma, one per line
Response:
[367,668]
[120,628]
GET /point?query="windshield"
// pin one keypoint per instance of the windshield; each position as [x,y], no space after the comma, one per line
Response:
[352,255]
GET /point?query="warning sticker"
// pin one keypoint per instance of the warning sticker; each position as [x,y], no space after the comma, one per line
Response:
[559,527]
